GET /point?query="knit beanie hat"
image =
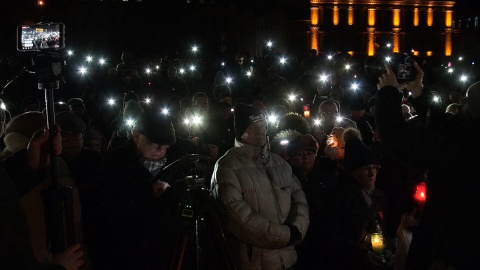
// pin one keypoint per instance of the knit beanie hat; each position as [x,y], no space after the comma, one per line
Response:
[357,154]
[69,121]
[301,142]
[92,134]
[244,115]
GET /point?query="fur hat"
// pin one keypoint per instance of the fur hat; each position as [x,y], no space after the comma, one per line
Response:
[69,121]
[357,154]
[244,115]
[302,142]
[156,127]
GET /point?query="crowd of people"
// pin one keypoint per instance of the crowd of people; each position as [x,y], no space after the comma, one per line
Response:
[311,163]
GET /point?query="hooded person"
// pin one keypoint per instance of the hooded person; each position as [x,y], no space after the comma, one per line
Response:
[352,211]
[24,244]
[257,192]
[20,130]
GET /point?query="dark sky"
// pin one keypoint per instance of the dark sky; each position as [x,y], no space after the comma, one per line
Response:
[465,8]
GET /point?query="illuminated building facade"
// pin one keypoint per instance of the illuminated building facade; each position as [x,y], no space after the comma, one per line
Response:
[364,26]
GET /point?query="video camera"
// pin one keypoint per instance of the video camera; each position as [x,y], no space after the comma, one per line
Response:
[42,36]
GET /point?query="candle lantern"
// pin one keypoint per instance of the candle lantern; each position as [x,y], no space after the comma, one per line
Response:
[306,110]
[420,195]
[377,243]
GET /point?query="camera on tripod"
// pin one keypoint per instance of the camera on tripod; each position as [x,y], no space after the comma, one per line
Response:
[200,242]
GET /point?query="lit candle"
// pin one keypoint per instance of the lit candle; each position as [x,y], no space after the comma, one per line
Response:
[420,195]
[306,111]
[377,243]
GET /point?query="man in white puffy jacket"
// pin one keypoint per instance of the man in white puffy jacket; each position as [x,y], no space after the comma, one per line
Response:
[266,212]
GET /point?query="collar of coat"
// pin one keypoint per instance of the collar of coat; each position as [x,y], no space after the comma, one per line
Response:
[251,150]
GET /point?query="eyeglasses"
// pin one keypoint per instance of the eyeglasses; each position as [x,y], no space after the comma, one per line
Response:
[373,168]
[71,136]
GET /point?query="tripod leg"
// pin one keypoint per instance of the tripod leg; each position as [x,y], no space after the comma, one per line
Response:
[180,256]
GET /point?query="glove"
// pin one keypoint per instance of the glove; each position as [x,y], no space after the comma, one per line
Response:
[389,257]
[373,261]
[295,235]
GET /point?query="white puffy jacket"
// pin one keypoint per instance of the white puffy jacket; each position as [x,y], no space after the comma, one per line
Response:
[260,196]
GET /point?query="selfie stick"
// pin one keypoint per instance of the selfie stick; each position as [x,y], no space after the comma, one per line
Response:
[58,200]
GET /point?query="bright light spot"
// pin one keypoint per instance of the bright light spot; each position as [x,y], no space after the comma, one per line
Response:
[197,120]
[330,57]
[269,43]
[223,64]
[148,71]
[148,100]
[82,70]
[463,78]
[283,60]
[194,49]
[186,121]
[251,60]
[249,73]
[317,122]
[348,66]
[292,97]
[192,68]
[388,58]
[323,77]
[70,52]
[165,111]
[3,106]
[460,58]
[339,119]
[130,122]
[89,58]
[61,102]
[182,70]
[228,80]
[436,99]
[157,67]
[355,86]
[272,118]
[389,45]
[101,61]
[450,70]
[111,101]
[283,142]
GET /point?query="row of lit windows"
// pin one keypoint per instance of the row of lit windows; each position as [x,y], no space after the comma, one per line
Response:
[469,23]
[371,13]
